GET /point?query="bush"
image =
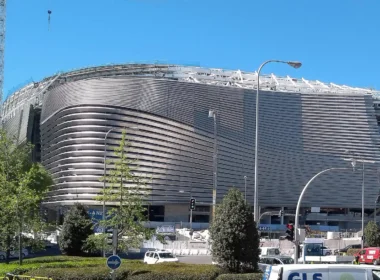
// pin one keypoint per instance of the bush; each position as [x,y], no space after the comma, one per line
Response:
[352,252]
[235,240]
[65,268]
[84,273]
[371,233]
[77,226]
[247,276]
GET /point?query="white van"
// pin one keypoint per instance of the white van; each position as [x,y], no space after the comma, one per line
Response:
[322,272]
[159,256]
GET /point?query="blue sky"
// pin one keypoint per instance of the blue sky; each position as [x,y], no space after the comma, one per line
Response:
[337,41]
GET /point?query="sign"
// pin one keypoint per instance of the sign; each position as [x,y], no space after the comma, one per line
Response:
[95,214]
[315,209]
[266,274]
[98,229]
[264,228]
[113,262]
[165,229]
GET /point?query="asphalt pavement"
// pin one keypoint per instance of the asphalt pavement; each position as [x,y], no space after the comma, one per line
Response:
[195,259]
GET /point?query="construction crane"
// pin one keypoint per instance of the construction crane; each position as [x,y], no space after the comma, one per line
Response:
[3,4]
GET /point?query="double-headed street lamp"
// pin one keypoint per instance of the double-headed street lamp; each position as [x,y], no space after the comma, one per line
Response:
[353,160]
[294,64]
[296,218]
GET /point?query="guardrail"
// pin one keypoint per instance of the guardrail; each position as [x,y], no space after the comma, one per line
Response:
[271,227]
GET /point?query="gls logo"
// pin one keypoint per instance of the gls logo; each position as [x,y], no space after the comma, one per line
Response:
[303,276]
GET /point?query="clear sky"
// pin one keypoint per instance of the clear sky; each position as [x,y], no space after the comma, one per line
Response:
[336,40]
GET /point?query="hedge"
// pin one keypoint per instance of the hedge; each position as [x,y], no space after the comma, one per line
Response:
[247,276]
[352,252]
[64,268]
[79,268]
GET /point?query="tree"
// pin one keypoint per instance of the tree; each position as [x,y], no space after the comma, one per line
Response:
[234,237]
[371,234]
[23,185]
[125,194]
[77,227]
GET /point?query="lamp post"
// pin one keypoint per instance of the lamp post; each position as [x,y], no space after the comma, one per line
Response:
[355,158]
[296,218]
[245,189]
[104,177]
[213,114]
[294,64]
[376,202]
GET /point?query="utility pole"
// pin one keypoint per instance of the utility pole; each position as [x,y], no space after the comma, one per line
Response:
[213,114]
[245,189]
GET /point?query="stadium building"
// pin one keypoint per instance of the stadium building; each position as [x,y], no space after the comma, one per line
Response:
[305,127]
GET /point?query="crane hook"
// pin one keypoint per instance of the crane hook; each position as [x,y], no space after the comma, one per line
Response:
[49,13]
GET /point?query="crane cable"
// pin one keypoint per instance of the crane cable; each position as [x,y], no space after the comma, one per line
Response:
[49,13]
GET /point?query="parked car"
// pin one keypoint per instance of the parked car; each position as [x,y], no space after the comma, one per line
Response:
[14,254]
[159,256]
[345,249]
[326,251]
[274,260]
[369,255]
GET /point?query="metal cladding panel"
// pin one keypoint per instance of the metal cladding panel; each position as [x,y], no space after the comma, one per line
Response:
[300,135]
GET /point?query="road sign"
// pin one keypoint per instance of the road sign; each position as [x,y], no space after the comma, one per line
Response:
[264,228]
[114,262]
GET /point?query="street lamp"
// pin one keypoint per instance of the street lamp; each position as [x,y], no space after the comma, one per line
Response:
[296,65]
[213,114]
[245,189]
[104,175]
[296,218]
[355,158]
[376,203]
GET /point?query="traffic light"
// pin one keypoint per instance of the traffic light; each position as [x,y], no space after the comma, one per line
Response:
[109,236]
[192,204]
[281,213]
[112,237]
[290,231]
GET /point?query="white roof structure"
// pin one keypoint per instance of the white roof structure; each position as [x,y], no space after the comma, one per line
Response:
[219,77]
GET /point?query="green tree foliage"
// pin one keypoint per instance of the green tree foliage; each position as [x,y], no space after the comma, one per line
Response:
[23,185]
[234,237]
[77,227]
[371,234]
[124,196]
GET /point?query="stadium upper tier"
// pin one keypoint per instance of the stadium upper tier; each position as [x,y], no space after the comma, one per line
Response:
[305,127]
[210,76]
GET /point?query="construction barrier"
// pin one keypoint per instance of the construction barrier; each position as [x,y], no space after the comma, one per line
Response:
[24,277]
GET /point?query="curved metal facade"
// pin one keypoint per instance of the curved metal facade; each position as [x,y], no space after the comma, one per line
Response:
[300,135]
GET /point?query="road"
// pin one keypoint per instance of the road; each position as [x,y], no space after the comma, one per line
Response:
[195,259]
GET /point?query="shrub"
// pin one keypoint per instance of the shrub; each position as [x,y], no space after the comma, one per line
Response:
[77,226]
[65,268]
[84,273]
[247,276]
[371,234]
[351,252]
[235,240]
